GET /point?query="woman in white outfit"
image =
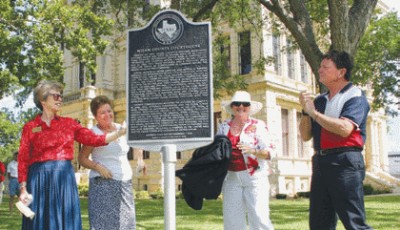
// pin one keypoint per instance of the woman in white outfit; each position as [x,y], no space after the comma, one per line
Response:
[246,188]
[111,202]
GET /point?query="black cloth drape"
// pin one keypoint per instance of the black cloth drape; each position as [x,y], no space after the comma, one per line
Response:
[204,174]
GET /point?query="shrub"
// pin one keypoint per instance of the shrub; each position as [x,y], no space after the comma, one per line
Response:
[303,195]
[281,196]
[142,195]
[157,194]
[370,190]
[83,190]
[179,195]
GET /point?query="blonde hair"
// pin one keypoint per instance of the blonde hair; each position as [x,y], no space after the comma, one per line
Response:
[42,91]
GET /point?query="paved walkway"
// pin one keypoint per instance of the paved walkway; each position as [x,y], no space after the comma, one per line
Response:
[396,190]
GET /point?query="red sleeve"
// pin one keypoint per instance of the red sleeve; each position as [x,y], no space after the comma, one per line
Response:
[24,153]
[88,137]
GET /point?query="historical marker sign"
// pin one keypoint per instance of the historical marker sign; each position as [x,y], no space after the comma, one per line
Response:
[169,83]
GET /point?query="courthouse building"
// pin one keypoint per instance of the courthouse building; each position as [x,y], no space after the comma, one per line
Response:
[277,89]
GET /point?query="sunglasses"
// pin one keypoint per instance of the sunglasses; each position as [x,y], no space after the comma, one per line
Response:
[56,96]
[239,103]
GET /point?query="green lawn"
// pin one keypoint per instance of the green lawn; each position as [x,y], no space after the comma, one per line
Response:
[383,213]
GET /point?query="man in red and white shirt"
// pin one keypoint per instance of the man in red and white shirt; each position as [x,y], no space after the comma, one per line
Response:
[336,121]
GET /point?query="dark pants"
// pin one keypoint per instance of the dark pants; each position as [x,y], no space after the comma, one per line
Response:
[337,188]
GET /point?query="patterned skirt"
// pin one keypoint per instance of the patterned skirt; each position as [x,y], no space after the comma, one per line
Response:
[55,197]
[111,204]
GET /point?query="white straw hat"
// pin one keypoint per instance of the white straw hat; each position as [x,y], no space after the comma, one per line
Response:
[242,96]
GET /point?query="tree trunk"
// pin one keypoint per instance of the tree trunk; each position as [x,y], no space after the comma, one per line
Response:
[347,26]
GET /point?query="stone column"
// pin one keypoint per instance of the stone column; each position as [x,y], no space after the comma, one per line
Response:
[383,143]
[272,118]
[369,145]
[87,94]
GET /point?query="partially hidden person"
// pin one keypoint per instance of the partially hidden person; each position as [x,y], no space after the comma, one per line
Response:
[2,177]
[111,200]
[13,186]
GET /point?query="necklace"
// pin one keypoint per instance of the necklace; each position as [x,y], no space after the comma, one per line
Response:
[237,127]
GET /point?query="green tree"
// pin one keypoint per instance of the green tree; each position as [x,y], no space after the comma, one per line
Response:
[10,129]
[378,50]
[9,133]
[308,22]
[35,35]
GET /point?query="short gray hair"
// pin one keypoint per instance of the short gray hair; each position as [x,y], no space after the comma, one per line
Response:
[41,91]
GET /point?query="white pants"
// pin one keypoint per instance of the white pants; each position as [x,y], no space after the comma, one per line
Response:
[245,194]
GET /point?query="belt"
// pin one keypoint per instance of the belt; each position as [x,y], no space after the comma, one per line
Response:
[323,152]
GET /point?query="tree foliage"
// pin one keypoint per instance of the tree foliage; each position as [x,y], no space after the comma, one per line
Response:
[376,60]
[10,129]
[315,27]
[35,34]
[9,132]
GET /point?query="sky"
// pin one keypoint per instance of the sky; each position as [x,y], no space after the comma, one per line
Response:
[393,123]
[393,4]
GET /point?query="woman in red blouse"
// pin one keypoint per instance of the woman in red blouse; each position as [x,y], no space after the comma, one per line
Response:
[44,162]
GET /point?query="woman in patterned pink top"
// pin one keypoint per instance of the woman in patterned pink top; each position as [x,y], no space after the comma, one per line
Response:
[246,187]
[44,162]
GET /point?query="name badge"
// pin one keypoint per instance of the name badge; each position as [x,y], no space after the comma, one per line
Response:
[37,129]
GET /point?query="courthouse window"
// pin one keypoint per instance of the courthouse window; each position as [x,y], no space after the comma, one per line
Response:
[276,47]
[146,155]
[290,59]
[285,132]
[179,155]
[81,75]
[300,143]
[130,154]
[244,52]
[303,69]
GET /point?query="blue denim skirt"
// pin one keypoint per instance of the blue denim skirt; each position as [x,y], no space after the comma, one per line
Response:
[55,197]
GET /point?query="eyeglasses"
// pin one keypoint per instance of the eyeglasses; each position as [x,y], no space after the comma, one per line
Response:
[56,96]
[239,103]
